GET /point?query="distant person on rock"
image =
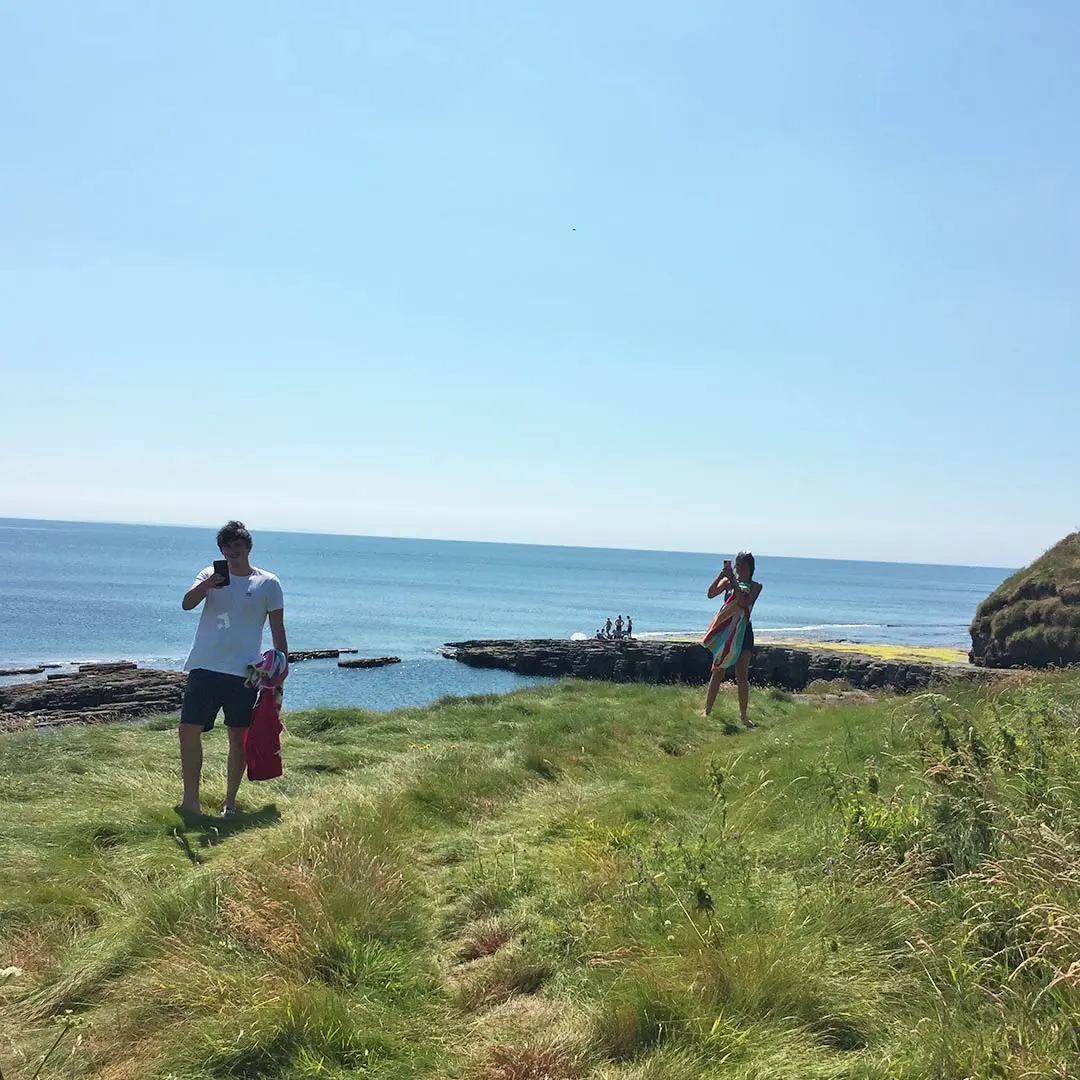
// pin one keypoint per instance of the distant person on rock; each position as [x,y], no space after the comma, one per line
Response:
[618,626]
[730,638]
[607,629]
[236,605]
[629,626]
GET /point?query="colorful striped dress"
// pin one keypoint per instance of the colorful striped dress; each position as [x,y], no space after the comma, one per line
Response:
[724,638]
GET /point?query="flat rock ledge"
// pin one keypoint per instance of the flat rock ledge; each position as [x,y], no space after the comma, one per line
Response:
[96,693]
[687,662]
[33,669]
[369,661]
[317,654]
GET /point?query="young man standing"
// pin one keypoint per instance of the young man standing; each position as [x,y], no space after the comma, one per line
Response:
[228,638]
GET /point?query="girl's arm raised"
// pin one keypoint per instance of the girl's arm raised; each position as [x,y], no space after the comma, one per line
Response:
[724,580]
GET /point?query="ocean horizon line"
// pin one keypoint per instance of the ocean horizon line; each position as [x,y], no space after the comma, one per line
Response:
[491,543]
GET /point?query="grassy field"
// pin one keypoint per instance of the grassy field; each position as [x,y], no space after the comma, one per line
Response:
[580,881]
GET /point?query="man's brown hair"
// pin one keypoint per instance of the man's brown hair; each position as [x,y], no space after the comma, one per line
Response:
[232,531]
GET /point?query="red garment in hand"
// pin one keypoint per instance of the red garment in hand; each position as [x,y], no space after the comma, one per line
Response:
[262,748]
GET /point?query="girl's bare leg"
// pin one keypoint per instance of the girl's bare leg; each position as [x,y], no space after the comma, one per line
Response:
[714,687]
[742,679]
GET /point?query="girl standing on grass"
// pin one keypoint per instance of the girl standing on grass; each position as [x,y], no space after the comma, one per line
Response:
[730,638]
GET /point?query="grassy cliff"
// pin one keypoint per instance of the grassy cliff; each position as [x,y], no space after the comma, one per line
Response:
[1033,618]
[579,882]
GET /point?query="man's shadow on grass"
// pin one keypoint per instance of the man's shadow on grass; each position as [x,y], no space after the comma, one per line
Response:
[205,830]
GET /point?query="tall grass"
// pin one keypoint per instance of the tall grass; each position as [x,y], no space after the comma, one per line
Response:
[582,881]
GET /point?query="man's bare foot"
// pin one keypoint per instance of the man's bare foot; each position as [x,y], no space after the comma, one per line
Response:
[188,808]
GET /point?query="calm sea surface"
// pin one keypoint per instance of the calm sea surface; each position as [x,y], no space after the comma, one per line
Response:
[72,591]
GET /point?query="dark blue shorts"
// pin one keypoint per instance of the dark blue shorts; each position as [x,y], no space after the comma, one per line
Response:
[208,692]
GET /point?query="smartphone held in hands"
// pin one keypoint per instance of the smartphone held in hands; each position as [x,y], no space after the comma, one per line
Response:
[221,566]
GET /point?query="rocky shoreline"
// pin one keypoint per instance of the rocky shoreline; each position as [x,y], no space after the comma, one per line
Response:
[120,690]
[783,666]
[93,694]
[98,693]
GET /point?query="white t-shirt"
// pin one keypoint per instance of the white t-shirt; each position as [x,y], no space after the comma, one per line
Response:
[229,635]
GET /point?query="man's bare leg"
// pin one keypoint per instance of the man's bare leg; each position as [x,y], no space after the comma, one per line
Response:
[742,679]
[237,765]
[191,765]
[714,687]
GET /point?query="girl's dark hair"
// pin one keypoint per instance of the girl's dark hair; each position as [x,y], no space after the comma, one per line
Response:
[232,531]
[746,557]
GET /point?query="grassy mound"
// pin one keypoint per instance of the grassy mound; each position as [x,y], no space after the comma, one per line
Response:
[579,882]
[1033,618]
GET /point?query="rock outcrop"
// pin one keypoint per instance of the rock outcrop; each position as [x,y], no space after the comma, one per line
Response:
[1033,618]
[110,668]
[369,661]
[688,662]
[317,654]
[94,694]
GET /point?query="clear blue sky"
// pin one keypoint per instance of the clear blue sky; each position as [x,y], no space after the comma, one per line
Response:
[801,277]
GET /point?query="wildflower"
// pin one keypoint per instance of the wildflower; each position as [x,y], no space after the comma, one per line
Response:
[828,866]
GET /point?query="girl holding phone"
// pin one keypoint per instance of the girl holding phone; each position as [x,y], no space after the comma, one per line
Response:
[731,637]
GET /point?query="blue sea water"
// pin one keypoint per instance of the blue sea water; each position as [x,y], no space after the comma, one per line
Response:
[78,591]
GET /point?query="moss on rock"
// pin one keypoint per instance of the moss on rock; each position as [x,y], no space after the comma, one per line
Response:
[1033,618]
